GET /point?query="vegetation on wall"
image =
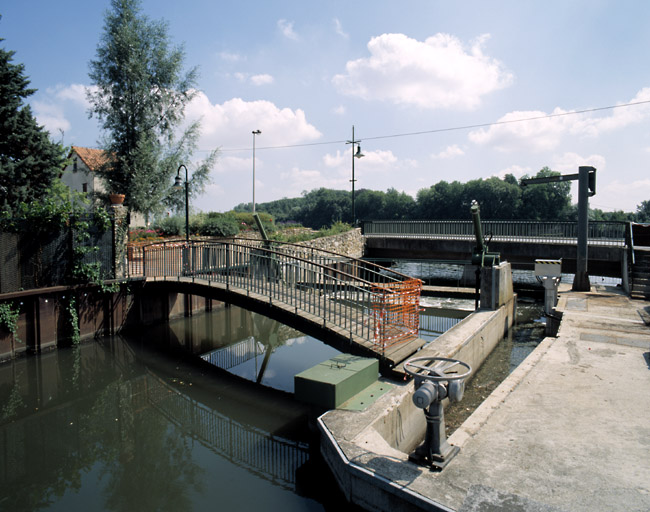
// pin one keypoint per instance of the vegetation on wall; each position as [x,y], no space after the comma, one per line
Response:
[9,319]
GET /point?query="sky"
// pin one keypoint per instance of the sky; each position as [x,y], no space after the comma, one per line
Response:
[427,86]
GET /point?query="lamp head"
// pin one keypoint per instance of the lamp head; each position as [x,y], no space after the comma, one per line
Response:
[358,154]
[178,182]
[257,132]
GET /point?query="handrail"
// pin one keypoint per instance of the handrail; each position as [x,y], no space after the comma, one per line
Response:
[367,300]
[609,231]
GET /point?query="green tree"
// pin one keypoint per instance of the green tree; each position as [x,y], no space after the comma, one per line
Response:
[323,207]
[643,212]
[547,201]
[29,161]
[139,96]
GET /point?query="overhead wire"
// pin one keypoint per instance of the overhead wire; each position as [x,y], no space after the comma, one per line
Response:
[448,129]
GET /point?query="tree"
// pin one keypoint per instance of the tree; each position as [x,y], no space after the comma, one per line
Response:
[29,161]
[643,212]
[548,201]
[140,96]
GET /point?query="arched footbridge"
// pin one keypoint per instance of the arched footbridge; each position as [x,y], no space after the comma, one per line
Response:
[352,304]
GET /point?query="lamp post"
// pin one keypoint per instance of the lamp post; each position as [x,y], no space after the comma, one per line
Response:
[255,132]
[177,185]
[358,154]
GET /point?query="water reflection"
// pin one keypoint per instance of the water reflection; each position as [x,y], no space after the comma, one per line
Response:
[92,427]
[246,344]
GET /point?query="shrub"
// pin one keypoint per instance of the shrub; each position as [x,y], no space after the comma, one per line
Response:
[171,226]
[222,225]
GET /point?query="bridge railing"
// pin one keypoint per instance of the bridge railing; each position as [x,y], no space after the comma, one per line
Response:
[363,299]
[603,232]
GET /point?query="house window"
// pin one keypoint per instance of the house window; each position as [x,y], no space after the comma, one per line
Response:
[84,187]
[74,166]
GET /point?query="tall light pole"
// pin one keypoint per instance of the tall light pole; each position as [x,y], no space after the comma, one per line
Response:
[178,181]
[255,132]
[358,154]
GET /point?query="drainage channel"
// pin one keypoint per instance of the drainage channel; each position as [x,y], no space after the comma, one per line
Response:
[506,356]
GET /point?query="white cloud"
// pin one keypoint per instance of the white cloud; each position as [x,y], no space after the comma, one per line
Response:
[51,116]
[516,170]
[230,124]
[286,27]
[379,161]
[53,107]
[340,110]
[544,133]
[338,28]
[439,72]
[263,79]
[449,152]
[230,57]
[568,163]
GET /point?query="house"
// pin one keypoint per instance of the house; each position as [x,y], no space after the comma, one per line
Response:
[80,175]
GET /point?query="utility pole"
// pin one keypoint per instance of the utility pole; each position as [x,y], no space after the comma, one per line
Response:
[358,154]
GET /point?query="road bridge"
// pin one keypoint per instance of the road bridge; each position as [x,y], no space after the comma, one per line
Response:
[518,242]
[352,304]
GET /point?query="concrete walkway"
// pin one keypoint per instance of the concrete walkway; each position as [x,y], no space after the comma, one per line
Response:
[569,430]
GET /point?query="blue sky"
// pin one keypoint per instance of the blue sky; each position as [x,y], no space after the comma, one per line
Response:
[305,72]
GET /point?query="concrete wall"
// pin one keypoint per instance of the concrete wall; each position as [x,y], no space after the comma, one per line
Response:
[392,427]
[349,244]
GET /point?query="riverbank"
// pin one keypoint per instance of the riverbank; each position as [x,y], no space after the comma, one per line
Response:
[567,430]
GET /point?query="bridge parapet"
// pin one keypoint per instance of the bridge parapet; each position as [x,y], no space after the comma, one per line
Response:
[600,232]
[372,305]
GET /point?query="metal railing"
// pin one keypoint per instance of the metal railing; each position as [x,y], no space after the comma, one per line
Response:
[340,291]
[600,232]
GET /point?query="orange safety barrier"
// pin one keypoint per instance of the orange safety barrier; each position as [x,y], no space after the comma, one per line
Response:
[396,311]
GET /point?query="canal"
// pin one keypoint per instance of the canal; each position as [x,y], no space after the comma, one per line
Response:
[209,422]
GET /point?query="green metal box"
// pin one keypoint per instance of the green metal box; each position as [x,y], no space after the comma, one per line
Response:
[336,380]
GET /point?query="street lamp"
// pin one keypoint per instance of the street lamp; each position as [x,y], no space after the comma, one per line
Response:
[178,182]
[357,154]
[255,132]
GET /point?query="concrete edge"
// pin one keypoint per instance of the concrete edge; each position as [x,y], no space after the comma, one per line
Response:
[369,483]
[480,416]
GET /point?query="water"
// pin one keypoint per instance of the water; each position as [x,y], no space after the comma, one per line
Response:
[171,419]
[432,272]
[114,425]
[522,339]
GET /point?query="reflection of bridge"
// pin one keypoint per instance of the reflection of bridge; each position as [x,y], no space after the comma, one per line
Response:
[353,303]
[272,457]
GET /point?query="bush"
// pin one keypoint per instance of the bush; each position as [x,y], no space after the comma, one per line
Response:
[221,225]
[171,226]
[247,222]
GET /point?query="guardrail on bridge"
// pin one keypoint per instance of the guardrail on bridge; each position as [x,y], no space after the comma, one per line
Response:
[372,303]
[600,232]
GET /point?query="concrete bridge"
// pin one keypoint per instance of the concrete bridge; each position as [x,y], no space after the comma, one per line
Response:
[519,242]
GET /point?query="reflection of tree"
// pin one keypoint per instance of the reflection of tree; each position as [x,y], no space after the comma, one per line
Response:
[47,454]
[152,457]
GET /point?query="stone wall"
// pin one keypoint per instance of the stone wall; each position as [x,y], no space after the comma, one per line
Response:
[349,244]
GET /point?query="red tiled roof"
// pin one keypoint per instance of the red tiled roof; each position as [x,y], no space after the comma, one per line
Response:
[93,158]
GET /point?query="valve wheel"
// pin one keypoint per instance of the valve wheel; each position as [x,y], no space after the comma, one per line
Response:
[444,369]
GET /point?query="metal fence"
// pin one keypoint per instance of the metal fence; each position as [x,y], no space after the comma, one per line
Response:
[43,259]
[603,232]
[341,291]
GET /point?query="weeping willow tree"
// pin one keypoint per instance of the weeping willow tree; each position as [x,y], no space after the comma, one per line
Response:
[139,93]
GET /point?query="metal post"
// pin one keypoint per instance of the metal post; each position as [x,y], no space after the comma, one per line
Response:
[255,132]
[581,279]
